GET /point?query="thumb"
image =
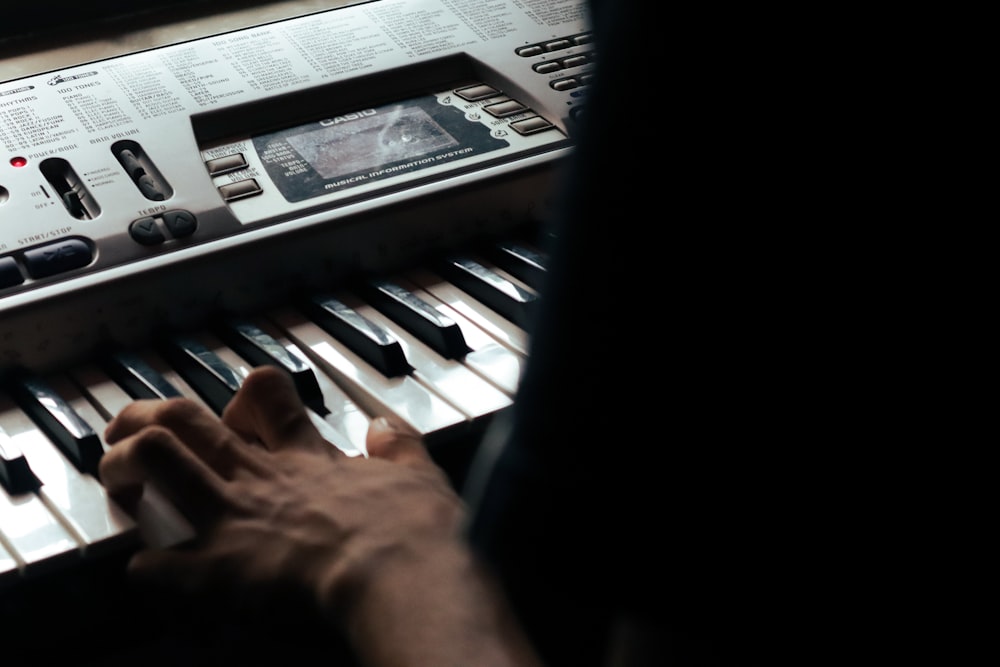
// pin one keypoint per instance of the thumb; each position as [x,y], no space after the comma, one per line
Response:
[394,442]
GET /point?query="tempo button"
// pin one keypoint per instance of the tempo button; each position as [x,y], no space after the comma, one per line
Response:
[146,232]
[240,189]
[180,223]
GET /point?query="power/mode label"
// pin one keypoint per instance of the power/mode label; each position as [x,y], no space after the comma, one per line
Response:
[370,145]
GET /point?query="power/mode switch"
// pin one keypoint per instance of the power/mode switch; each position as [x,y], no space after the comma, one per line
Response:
[142,170]
[70,189]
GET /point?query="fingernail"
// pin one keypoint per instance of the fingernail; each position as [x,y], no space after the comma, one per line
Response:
[383,424]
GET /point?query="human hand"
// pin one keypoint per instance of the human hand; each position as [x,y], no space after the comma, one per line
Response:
[276,508]
[373,543]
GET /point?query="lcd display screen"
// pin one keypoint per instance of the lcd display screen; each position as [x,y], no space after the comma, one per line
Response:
[371,141]
[370,145]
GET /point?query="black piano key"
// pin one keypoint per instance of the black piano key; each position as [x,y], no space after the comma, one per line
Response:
[210,376]
[505,297]
[440,333]
[368,340]
[137,377]
[260,348]
[520,261]
[15,474]
[60,422]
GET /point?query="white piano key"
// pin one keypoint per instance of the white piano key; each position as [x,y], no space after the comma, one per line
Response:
[31,533]
[9,571]
[41,543]
[241,368]
[15,473]
[260,348]
[496,363]
[500,328]
[365,338]
[78,499]
[159,523]
[74,437]
[136,376]
[235,362]
[343,413]
[401,398]
[169,373]
[196,358]
[416,315]
[450,379]
[488,283]
[522,260]
[106,395]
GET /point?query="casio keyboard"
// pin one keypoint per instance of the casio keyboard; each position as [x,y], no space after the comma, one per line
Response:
[358,195]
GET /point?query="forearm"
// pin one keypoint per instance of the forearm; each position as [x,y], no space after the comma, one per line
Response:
[437,607]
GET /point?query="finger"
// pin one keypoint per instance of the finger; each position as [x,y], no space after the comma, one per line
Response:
[156,454]
[386,440]
[132,419]
[194,425]
[268,408]
[170,568]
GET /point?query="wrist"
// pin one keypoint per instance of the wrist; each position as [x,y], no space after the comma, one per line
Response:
[428,605]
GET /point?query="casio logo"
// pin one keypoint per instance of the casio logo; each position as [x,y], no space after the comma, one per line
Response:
[347,116]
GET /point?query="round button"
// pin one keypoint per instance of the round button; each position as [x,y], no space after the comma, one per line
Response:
[180,223]
[145,231]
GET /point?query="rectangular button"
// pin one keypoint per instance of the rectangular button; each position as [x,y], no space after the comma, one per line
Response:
[502,109]
[557,45]
[240,189]
[477,92]
[10,275]
[53,258]
[531,125]
[224,165]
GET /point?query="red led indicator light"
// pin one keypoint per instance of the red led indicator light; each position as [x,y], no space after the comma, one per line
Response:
[19,161]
